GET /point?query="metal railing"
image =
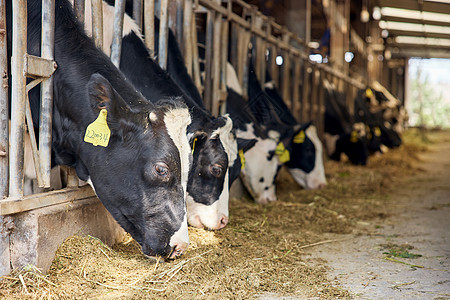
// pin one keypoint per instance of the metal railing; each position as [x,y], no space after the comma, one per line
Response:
[298,79]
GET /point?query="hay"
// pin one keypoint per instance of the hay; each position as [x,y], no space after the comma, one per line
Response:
[261,251]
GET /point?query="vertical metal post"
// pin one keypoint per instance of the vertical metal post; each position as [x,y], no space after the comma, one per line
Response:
[163,33]
[209,59]
[234,45]
[187,38]
[116,46]
[137,12]
[286,79]
[97,22]
[78,7]
[195,59]
[179,23]
[314,91]
[45,123]
[149,25]
[4,131]
[18,94]
[321,118]
[306,89]
[296,104]
[216,63]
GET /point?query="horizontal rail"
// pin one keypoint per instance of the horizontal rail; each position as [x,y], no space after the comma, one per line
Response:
[14,205]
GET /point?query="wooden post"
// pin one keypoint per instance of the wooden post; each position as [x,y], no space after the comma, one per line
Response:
[195,59]
[321,113]
[306,92]
[314,108]
[209,44]
[78,7]
[187,35]
[137,12]
[286,73]
[215,101]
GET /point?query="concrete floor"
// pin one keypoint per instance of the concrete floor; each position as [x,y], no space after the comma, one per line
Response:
[421,219]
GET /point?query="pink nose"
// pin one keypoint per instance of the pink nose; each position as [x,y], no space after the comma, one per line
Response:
[322,185]
[178,250]
[223,222]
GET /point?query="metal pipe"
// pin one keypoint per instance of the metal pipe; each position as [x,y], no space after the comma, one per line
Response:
[296,104]
[216,64]
[4,126]
[78,7]
[45,122]
[97,22]
[187,38]
[137,12]
[149,25]
[163,34]
[209,60]
[18,93]
[179,22]
[306,89]
[116,46]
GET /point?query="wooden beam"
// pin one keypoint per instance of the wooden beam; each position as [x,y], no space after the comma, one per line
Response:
[437,7]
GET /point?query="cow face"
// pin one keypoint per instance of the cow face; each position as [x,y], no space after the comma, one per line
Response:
[214,151]
[261,167]
[141,175]
[306,163]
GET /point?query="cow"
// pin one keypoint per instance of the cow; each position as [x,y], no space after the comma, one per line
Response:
[306,163]
[341,135]
[139,169]
[214,146]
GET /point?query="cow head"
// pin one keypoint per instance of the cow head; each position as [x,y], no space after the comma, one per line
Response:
[239,163]
[261,165]
[141,175]
[214,151]
[306,163]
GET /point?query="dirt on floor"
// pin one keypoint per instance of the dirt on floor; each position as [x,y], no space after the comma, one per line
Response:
[265,252]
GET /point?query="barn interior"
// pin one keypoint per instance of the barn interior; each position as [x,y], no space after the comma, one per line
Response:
[63,243]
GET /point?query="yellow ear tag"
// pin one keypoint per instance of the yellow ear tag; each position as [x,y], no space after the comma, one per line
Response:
[300,137]
[377,131]
[354,137]
[368,133]
[98,133]
[283,154]
[242,157]
[193,146]
[369,93]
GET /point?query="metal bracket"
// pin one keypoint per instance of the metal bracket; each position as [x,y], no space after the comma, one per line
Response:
[36,67]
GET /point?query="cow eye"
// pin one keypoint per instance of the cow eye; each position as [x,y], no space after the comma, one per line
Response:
[216,170]
[161,169]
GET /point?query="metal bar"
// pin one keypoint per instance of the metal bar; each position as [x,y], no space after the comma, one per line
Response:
[286,80]
[195,59]
[209,60]
[97,22]
[216,63]
[116,46]
[163,33]
[321,119]
[137,12]
[4,126]
[296,104]
[224,55]
[78,7]
[179,23]
[149,25]
[187,38]
[12,205]
[273,67]
[72,178]
[172,12]
[314,90]
[18,94]
[306,90]
[46,115]
[34,147]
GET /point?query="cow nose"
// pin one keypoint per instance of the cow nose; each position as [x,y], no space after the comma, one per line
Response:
[178,250]
[322,185]
[223,222]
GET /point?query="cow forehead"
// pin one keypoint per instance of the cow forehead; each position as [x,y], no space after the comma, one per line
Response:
[227,139]
[176,121]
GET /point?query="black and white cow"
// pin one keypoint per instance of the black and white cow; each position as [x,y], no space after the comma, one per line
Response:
[140,175]
[306,163]
[341,134]
[214,146]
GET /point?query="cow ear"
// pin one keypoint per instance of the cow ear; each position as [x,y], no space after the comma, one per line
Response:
[245,144]
[103,96]
[198,138]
